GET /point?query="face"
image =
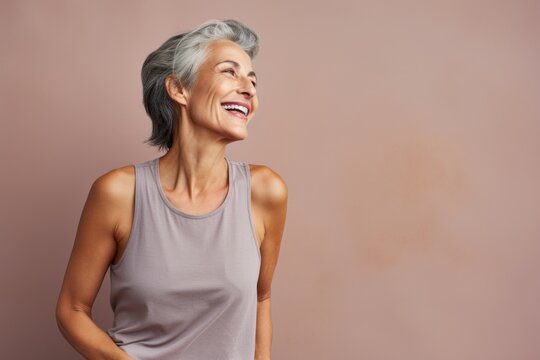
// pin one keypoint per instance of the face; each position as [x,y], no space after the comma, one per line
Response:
[223,91]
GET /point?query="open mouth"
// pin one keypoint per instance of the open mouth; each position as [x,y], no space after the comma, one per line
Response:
[236,110]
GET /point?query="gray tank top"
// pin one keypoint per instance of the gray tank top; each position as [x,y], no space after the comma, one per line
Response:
[186,285]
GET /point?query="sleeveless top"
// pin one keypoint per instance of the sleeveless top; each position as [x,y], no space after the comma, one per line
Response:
[186,285]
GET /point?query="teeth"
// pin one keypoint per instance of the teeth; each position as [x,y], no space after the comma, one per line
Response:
[238,107]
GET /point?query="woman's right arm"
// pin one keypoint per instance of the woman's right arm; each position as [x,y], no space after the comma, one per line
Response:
[93,250]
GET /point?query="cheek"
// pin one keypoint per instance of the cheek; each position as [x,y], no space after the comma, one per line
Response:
[255,104]
[221,88]
[206,97]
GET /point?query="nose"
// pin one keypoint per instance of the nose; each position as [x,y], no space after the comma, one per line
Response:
[246,87]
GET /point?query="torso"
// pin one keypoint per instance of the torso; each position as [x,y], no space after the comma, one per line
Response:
[124,223]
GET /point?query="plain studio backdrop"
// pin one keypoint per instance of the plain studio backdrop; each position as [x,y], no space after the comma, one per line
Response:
[407,131]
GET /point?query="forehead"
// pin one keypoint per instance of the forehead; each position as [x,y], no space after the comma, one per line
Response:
[221,50]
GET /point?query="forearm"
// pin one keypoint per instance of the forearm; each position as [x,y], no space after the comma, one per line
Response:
[87,338]
[263,344]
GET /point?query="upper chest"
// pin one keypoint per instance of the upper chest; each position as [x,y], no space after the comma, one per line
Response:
[206,204]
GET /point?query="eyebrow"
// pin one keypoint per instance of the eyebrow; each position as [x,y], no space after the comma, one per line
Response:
[237,65]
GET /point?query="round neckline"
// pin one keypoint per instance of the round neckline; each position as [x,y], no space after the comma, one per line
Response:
[182,213]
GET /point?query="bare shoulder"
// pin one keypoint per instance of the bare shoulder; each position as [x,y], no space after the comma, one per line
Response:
[270,192]
[114,193]
[117,184]
[268,188]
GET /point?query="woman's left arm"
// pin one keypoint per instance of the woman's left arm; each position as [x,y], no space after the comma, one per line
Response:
[272,196]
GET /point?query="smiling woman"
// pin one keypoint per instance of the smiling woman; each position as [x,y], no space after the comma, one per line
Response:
[181,58]
[191,238]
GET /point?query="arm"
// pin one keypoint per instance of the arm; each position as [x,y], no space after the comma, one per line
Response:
[93,250]
[263,339]
[272,195]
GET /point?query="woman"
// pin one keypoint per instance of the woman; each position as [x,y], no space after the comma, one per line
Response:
[191,238]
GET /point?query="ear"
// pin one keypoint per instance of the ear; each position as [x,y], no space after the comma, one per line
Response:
[175,90]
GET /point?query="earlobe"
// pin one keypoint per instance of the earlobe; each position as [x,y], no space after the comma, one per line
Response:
[175,90]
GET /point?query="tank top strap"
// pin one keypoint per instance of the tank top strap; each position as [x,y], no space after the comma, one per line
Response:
[140,201]
[243,197]
[250,212]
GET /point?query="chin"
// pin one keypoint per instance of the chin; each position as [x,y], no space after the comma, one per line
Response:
[238,134]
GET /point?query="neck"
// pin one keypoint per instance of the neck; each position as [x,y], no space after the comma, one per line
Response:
[194,171]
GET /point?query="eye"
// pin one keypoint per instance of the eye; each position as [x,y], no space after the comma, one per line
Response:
[254,84]
[230,70]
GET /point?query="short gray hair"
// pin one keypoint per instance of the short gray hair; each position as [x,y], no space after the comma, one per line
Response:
[182,55]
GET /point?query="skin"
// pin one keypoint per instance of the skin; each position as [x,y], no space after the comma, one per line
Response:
[193,176]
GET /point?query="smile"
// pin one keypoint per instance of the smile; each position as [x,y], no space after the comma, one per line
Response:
[235,108]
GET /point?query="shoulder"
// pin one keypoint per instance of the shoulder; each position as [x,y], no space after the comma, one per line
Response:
[116,182]
[114,189]
[268,188]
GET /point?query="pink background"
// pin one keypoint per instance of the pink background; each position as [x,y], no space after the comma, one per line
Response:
[408,133]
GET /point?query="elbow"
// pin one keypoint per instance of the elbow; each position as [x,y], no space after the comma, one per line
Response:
[263,291]
[61,315]
[59,311]
[263,296]
[65,313]
[62,323]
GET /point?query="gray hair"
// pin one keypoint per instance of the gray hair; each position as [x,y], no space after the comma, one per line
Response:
[182,56]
